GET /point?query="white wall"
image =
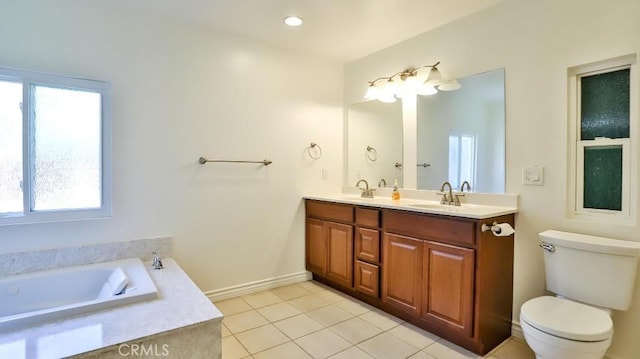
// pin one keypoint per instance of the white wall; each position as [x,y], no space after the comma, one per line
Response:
[535,41]
[179,93]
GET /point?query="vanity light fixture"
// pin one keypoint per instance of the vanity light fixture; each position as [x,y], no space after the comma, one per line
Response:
[293,21]
[424,80]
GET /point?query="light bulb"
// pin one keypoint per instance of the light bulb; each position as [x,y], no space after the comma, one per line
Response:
[434,78]
[426,90]
[293,20]
[387,98]
[450,85]
[388,88]
[372,92]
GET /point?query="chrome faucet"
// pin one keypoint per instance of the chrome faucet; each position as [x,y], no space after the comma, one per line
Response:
[447,198]
[382,183]
[468,186]
[456,197]
[366,192]
[157,262]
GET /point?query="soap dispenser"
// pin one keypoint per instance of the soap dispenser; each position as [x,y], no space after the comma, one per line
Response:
[395,194]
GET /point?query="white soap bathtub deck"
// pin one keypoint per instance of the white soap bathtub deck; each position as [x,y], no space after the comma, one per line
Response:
[180,305]
[60,293]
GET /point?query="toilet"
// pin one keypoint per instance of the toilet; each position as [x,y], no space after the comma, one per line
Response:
[590,276]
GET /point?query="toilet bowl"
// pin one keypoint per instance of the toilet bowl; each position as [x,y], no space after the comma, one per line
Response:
[577,323]
[558,328]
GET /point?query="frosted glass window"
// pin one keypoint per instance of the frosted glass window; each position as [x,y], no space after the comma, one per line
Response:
[603,164]
[11,200]
[66,148]
[604,105]
[55,148]
[603,177]
[604,114]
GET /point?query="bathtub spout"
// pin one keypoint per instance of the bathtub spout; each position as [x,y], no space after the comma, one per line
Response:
[157,262]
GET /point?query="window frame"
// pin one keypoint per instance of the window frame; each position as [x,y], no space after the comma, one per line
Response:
[575,176]
[28,215]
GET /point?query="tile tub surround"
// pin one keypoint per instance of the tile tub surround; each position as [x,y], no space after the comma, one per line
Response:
[181,320]
[35,261]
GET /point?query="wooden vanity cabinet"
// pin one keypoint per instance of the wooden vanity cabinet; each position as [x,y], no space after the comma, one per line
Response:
[329,241]
[435,251]
[401,277]
[447,287]
[367,252]
[438,272]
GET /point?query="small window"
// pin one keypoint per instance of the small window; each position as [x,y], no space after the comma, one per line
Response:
[55,148]
[602,138]
[462,158]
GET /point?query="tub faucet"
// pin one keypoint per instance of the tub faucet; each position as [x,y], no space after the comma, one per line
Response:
[366,192]
[157,262]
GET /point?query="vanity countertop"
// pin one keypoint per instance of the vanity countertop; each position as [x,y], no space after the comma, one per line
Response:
[180,303]
[466,210]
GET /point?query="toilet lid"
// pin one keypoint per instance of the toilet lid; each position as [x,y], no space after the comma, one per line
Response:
[566,319]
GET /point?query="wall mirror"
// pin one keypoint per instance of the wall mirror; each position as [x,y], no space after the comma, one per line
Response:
[461,135]
[374,143]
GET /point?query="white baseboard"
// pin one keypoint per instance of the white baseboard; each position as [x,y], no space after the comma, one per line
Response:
[257,286]
[516,330]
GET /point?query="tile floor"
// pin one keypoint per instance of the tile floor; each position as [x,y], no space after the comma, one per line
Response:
[310,320]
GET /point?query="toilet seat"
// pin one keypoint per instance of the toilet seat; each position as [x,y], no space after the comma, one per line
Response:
[567,319]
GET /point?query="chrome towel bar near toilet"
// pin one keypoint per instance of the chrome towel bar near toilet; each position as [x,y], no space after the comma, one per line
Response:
[203,160]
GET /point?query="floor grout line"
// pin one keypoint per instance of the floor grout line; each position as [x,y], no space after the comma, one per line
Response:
[284,298]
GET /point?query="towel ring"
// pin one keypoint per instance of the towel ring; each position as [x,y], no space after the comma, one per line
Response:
[317,153]
[372,154]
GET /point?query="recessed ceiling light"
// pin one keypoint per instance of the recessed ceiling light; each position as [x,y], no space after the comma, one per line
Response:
[293,20]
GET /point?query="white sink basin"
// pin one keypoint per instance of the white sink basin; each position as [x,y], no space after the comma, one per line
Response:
[357,198]
[440,207]
[464,209]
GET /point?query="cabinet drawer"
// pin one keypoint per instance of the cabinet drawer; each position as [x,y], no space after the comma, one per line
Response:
[367,246]
[367,217]
[330,211]
[367,278]
[427,227]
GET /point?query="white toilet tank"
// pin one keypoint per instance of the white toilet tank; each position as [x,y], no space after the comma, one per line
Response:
[593,270]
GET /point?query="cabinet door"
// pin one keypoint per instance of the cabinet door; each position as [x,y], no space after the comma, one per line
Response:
[402,272]
[316,247]
[366,278]
[339,253]
[367,245]
[448,287]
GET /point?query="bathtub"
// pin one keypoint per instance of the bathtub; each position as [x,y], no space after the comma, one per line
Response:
[32,298]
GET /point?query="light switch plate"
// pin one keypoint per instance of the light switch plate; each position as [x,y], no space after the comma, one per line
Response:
[533,175]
